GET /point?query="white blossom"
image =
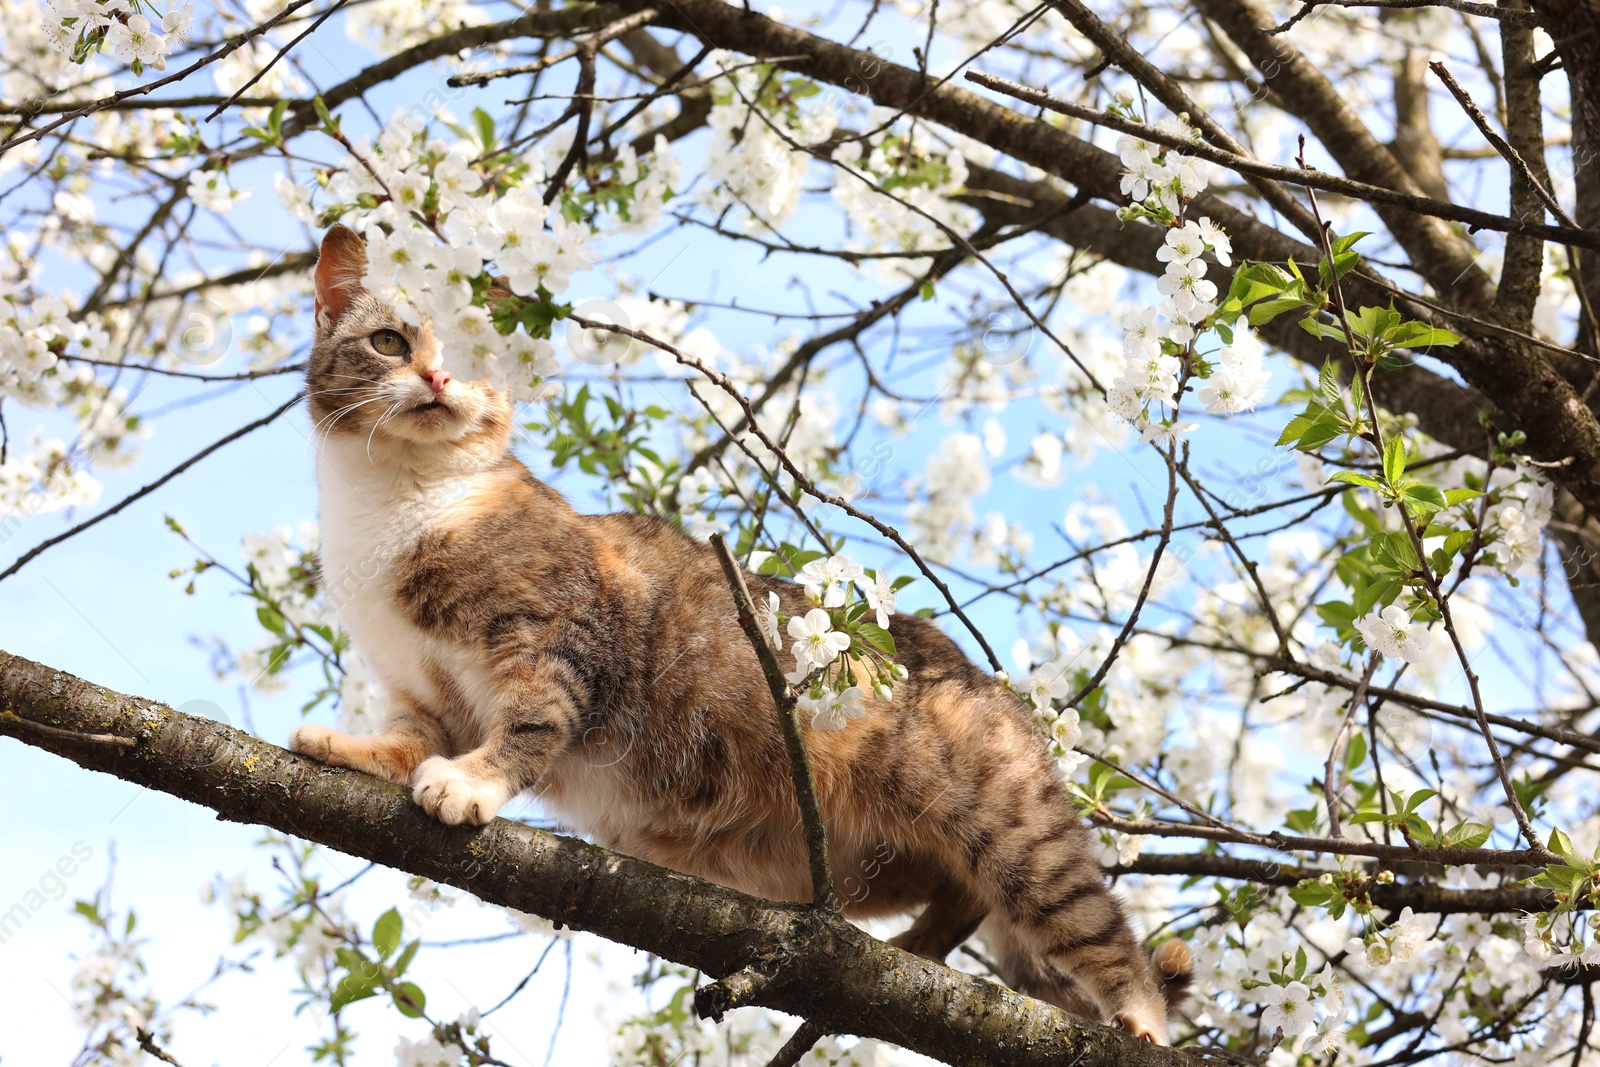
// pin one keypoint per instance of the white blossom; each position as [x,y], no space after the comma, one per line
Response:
[1393,634]
[1288,1007]
[816,642]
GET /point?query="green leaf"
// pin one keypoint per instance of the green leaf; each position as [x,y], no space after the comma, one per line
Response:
[410,1000]
[407,954]
[1324,428]
[1292,432]
[1311,893]
[1418,335]
[269,617]
[1356,754]
[1419,496]
[1348,241]
[1268,310]
[484,124]
[1560,877]
[876,636]
[1104,779]
[386,933]
[1419,798]
[357,985]
[1317,328]
[321,109]
[1301,820]
[1372,323]
[1356,478]
[1394,459]
[1375,593]
[1467,835]
[1561,845]
[1328,384]
[1452,497]
[1395,548]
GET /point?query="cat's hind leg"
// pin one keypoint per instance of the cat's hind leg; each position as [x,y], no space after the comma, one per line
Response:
[948,920]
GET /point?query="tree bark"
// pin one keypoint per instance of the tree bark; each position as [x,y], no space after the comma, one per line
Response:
[819,966]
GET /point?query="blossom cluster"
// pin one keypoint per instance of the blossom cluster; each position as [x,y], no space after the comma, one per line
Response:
[1157,342]
[122,27]
[444,234]
[823,639]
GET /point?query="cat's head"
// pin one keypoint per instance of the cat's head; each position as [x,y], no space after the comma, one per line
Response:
[374,377]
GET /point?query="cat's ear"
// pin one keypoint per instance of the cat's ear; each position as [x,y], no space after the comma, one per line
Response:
[341,264]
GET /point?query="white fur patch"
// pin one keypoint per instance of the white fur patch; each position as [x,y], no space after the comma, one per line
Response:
[447,793]
[373,512]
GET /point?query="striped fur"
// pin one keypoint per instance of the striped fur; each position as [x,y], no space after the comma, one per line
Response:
[596,660]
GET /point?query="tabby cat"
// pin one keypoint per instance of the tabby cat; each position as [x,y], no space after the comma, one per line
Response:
[597,660]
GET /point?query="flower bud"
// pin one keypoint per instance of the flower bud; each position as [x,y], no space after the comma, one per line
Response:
[1002,677]
[899,673]
[1326,879]
[883,691]
[1385,877]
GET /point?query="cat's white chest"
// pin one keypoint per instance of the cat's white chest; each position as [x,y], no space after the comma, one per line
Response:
[371,521]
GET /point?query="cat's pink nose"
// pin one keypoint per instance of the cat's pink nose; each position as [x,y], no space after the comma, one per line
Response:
[437,379]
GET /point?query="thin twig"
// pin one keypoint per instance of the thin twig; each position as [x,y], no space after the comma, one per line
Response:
[307,32]
[1149,575]
[1338,746]
[1429,580]
[1328,183]
[140,494]
[1343,846]
[461,81]
[1501,145]
[139,90]
[1116,47]
[816,831]
[799,1043]
[8,718]
[147,1043]
[809,487]
[243,376]
[1488,11]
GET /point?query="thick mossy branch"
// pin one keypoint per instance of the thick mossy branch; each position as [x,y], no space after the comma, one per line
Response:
[835,975]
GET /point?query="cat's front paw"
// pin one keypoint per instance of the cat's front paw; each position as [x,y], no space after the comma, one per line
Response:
[318,742]
[452,796]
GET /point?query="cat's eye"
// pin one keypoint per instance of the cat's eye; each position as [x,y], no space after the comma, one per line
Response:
[390,343]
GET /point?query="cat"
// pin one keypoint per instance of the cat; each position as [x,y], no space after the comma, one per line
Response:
[597,660]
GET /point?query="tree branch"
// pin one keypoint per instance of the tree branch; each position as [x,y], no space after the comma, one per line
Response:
[1271,173]
[821,967]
